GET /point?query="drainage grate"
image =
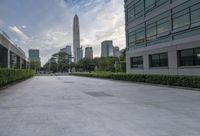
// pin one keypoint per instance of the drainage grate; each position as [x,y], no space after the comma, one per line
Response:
[98,94]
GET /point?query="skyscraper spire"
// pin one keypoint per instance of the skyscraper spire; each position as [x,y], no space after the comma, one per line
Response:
[76,37]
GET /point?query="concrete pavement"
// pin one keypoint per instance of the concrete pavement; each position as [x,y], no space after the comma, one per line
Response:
[78,106]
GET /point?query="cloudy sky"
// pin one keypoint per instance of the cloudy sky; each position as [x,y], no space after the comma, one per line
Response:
[47,24]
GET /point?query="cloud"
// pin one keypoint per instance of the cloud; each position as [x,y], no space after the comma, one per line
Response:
[19,33]
[23,26]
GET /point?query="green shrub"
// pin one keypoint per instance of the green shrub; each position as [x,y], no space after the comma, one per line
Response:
[8,76]
[172,80]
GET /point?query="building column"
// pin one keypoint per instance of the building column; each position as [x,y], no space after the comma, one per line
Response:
[8,61]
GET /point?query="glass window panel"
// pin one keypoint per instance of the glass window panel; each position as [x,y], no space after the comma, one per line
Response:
[165,27]
[131,14]
[159,60]
[149,4]
[181,13]
[137,62]
[154,60]
[195,18]
[160,2]
[139,7]
[140,36]
[197,56]
[131,39]
[181,22]
[151,30]
[163,59]
[186,57]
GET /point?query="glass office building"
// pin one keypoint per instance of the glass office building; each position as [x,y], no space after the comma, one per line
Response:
[107,48]
[34,54]
[163,36]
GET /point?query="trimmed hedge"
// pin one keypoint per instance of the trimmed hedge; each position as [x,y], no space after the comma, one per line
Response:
[8,76]
[172,80]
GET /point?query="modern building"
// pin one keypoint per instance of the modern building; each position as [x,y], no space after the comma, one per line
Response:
[89,52]
[163,37]
[34,55]
[116,52]
[107,49]
[79,54]
[76,37]
[67,50]
[11,55]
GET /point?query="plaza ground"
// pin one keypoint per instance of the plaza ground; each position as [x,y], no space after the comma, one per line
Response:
[79,106]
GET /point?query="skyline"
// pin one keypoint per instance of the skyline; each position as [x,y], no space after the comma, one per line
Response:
[49,27]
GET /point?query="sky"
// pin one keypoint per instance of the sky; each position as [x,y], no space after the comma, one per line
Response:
[47,24]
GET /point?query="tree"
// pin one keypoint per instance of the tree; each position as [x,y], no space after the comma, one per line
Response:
[86,65]
[36,65]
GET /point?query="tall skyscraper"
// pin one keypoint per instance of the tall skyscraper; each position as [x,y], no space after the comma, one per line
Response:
[107,49]
[89,53]
[76,37]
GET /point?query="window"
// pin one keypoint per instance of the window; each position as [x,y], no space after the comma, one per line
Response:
[136,36]
[197,56]
[131,14]
[140,36]
[186,15]
[164,23]
[131,39]
[151,31]
[195,15]
[137,62]
[139,8]
[135,11]
[159,60]
[189,57]
[158,26]
[150,4]
[181,20]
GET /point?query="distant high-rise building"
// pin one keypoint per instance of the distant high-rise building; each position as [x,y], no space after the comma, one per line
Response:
[89,52]
[67,50]
[34,54]
[76,37]
[116,52]
[106,49]
[79,54]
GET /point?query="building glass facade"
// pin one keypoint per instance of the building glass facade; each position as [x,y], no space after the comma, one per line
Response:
[157,26]
[106,49]
[34,55]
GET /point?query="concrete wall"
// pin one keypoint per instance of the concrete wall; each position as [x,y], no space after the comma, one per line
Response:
[171,47]
[5,42]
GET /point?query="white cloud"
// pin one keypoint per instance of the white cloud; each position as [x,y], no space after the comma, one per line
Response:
[23,26]
[19,33]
